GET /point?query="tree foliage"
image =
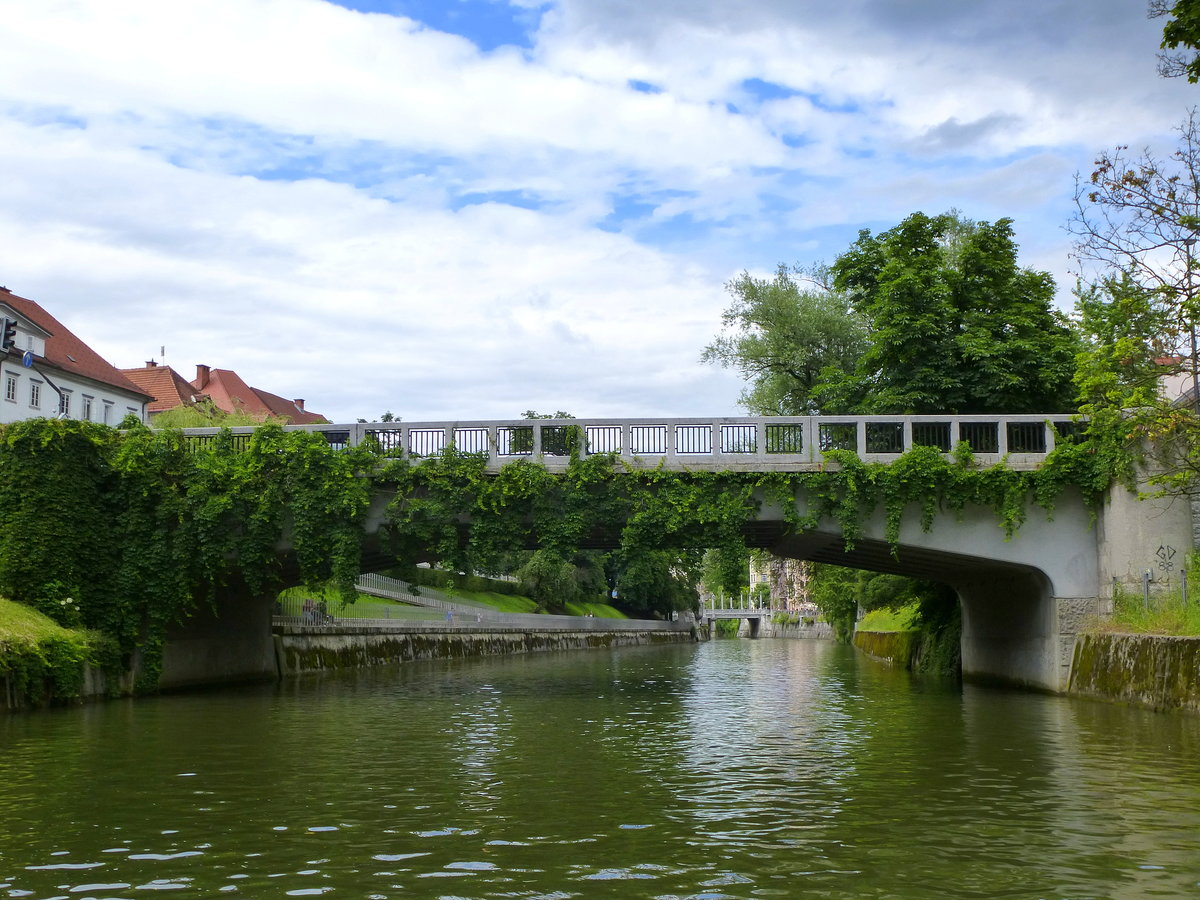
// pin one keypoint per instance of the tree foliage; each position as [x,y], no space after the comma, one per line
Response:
[139,527]
[932,316]
[1181,34]
[956,325]
[1136,224]
[787,342]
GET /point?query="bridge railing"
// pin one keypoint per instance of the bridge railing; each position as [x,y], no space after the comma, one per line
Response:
[751,443]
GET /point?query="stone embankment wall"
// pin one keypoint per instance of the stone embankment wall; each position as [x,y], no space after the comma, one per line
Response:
[300,649]
[817,630]
[1149,670]
[894,646]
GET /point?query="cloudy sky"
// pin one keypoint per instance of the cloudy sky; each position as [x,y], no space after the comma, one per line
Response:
[460,209]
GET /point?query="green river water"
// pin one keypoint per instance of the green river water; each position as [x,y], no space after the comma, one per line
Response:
[733,769]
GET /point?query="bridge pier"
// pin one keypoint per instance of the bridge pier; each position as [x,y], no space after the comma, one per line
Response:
[1014,630]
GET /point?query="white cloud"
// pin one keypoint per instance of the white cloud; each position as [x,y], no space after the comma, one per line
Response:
[316,197]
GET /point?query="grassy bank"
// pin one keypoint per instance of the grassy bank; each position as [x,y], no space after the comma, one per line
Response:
[42,662]
[1166,614]
[903,619]
[930,645]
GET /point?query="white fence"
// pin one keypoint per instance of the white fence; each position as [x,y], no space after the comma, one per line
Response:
[761,444]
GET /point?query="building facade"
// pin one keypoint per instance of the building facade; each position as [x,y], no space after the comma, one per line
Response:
[51,373]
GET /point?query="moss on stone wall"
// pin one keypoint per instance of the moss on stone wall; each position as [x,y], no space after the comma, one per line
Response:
[298,650]
[932,652]
[1149,670]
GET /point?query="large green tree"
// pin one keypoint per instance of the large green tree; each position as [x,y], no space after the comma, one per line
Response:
[789,342]
[956,324]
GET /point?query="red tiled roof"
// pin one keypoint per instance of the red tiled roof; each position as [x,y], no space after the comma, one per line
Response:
[288,409]
[168,388]
[67,352]
[229,392]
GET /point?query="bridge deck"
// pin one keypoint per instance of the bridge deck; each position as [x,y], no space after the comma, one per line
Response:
[722,444]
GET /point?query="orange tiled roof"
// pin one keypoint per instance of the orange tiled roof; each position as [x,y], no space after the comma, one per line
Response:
[168,388]
[224,388]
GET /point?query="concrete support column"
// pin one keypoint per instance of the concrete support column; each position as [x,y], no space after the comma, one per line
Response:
[1010,630]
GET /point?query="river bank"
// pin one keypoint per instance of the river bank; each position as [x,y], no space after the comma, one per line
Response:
[300,648]
[1159,672]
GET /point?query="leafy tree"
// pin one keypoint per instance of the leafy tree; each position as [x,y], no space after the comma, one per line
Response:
[205,415]
[651,582]
[725,569]
[549,579]
[956,325]
[1182,30]
[1128,335]
[1136,224]
[787,342]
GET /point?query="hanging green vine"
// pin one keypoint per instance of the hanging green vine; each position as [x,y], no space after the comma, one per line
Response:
[135,528]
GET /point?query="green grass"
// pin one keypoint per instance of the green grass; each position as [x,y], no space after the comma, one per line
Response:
[369,607]
[503,602]
[889,619]
[22,624]
[1167,615]
[43,661]
[599,610]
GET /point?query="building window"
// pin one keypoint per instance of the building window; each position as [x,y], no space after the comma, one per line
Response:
[86,412]
[35,394]
[10,388]
[64,403]
[107,413]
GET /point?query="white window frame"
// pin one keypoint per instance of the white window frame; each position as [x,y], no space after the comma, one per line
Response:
[10,387]
[35,395]
[86,412]
[108,407]
[64,402]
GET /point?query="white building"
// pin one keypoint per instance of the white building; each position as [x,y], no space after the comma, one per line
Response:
[49,372]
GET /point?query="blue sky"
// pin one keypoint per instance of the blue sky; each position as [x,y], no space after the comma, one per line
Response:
[462,210]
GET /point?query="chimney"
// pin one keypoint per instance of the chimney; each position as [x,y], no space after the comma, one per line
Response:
[300,403]
[151,364]
[201,376]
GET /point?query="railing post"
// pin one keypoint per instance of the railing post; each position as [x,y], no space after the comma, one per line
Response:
[906,438]
[537,439]
[715,439]
[1002,436]
[811,430]
[860,438]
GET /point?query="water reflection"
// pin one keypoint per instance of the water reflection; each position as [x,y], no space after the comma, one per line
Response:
[734,769]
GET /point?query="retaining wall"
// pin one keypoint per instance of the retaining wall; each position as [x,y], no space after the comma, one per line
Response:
[894,646]
[1149,670]
[815,631]
[300,649]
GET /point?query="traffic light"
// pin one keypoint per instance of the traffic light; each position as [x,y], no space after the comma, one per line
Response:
[10,334]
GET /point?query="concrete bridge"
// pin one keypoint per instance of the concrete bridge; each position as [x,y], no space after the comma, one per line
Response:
[1023,599]
[753,610]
